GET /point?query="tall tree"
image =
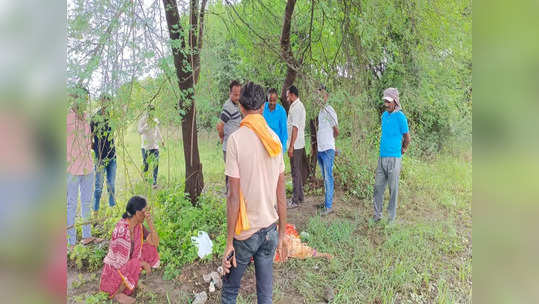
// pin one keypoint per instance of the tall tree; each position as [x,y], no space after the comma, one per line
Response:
[187,63]
[286,53]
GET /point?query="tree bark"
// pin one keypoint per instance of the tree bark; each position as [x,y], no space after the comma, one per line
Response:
[194,180]
[286,53]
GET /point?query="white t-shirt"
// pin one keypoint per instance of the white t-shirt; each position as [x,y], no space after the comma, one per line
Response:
[327,119]
[296,118]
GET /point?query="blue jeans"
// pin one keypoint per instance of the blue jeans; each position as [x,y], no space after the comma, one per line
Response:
[325,160]
[261,246]
[107,166]
[75,183]
[152,156]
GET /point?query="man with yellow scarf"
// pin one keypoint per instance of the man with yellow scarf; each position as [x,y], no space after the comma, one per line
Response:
[255,168]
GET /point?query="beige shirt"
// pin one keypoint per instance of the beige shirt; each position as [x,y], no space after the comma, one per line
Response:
[150,134]
[296,118]
[248,160]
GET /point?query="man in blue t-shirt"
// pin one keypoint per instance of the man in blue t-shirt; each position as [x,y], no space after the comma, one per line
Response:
[393,144]
[275,116]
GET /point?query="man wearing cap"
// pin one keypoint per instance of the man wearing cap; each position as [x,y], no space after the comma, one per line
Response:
[328,129]
[393,144]
[255,167]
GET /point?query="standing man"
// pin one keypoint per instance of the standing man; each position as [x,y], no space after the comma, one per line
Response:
[230,117]
[392,147]
[275,116]
[80,168]
[105,152]
[255,167]
[148,128]
[328,130]
[296,144]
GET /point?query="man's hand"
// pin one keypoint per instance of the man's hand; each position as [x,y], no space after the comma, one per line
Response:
[282,248]
[403,150]
[290,153]
[227,264]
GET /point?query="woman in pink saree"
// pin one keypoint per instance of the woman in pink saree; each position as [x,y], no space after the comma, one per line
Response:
[132,248]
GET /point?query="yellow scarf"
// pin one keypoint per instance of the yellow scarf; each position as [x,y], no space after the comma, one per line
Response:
[257,123]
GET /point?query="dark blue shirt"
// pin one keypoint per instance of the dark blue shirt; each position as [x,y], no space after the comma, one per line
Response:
[103,144]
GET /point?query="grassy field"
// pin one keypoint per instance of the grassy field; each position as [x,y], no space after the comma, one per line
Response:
[424,257]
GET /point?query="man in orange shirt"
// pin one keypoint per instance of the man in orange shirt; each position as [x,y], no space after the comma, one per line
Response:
[255,168]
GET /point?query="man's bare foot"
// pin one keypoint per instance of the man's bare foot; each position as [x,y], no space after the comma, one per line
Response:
[124,299]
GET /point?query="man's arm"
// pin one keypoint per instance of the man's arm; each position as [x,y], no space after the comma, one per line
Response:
[232,210]
[335,131]
[142,124]
[284,133]
[292,141]
[405,142]
[221,129]
[281,210]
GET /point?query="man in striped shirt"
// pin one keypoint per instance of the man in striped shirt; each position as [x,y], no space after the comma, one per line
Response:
[230,117]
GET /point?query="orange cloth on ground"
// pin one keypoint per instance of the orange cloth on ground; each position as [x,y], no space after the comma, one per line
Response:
[296,248]
[258,124]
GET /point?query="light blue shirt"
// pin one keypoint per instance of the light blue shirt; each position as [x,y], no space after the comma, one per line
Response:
[394,125]
[276,120]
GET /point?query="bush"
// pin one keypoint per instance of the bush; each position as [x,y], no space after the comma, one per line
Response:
[177,221]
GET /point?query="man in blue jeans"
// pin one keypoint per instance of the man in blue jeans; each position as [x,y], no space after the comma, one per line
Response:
[105,153]
[328,130]
[393,144]
[255,167]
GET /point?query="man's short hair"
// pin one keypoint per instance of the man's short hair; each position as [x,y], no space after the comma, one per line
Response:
[322,87]
[234,83]
[292,89]
[252,96]
[272,91]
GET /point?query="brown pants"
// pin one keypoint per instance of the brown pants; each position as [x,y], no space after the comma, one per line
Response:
[297,162]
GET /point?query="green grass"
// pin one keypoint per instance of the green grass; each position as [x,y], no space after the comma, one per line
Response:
[424,258]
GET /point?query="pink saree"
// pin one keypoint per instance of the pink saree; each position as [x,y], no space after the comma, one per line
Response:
[123,260]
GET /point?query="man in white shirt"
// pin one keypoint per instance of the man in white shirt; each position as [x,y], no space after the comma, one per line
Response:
[148,128]
[296,144]
[327,131]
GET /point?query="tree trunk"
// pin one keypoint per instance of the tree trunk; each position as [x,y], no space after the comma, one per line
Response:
[286,53]
[194,180]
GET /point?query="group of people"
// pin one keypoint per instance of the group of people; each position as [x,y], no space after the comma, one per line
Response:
[290,129]
[86,172]
[256,132]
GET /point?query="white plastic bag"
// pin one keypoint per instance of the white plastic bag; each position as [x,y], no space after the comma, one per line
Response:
[203,243]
